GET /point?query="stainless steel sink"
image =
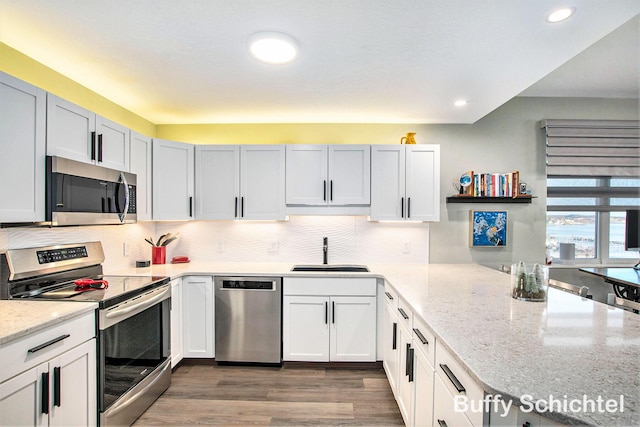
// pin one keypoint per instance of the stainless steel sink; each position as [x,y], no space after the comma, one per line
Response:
[331,268]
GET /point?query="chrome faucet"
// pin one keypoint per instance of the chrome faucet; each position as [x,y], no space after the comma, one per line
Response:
[325,249]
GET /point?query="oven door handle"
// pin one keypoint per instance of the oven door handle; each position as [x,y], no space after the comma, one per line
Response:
[145,302]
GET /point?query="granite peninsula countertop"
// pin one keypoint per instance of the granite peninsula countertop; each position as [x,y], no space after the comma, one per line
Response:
[21,318]
[566,348]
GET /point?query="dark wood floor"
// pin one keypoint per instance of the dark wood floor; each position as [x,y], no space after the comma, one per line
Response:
[271,396]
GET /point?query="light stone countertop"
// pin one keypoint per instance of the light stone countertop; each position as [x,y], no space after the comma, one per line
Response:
[567,348]
[21,318]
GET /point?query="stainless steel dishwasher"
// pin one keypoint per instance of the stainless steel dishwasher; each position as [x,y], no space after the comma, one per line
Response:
[248,315]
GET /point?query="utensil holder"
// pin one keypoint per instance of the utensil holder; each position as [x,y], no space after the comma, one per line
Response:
[159,254]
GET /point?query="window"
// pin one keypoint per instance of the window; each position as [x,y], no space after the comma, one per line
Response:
[593,170]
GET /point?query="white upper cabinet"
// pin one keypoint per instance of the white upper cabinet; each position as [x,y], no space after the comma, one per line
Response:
[328,175]
[79,134]
[405,182]
[22,144]
[173,180]
[240,182]
[140,164]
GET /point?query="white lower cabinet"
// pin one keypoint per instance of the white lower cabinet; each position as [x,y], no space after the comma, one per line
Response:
[198,316]
[329,319]
[444,413]
[405,386]
[177,341]
[391,350]
[49,377]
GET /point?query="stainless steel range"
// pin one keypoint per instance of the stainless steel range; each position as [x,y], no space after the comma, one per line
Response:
[133,320]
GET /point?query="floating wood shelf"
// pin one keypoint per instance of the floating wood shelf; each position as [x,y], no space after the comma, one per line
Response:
[473,199]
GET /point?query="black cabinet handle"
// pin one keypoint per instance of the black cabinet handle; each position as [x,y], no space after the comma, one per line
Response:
[191,206]
[93,145]
[421,337]
[411,361]
[408,207]
[100,148]
[242,207]
[333,312]
[44,393]
[235,209]
[326,312]
[48,343]
[402,207]
[56,386]
[331,190]
[526,424]
[394,344]
[457,384]
[324,190]
[403,313]
[406,360]
[442,423]
[388,295]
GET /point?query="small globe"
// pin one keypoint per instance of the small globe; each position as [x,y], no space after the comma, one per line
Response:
[465,180]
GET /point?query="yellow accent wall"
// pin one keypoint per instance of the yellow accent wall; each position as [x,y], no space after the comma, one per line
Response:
[290,133]
[25,68]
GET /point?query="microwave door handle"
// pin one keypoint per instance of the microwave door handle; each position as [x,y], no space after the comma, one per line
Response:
[123,181]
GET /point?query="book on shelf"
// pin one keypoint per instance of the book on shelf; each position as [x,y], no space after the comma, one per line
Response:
[491,184]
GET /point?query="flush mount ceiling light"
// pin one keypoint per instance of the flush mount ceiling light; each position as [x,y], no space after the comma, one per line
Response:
[461,103]
[273,47]
[561,14]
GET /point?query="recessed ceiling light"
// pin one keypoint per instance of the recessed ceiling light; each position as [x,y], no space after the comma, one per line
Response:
[273,47]
[561,14]
[461,103]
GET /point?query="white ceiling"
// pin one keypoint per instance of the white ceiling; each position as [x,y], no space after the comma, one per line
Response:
[361,61]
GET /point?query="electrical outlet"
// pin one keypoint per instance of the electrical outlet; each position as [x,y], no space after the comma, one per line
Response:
[272,246]
[220,246]
[125,249]
[406,248]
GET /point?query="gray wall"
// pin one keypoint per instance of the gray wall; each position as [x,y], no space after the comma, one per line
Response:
[507,139]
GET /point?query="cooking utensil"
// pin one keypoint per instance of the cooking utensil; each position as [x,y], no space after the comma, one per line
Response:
[149,241]
[160,239]
[87,284]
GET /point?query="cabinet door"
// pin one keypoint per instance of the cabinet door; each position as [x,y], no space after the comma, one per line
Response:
[305,333]
[21,399]
[391,347]
[69,130]
[198,316]
[22,143]
[140,164]
[173,177]
[262,194]
[112,150]
[423,398]
[405,389]
[423,183]
[176,322]
[306,175]
[387,182]
[349,175]
[73,394]
[217,181]
[353,334]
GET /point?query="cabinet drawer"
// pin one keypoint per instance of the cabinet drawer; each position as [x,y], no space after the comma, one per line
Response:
[31,350]
[423,339]
[444,410]
[332,286]
[458,381]
[405,314]
[390,296]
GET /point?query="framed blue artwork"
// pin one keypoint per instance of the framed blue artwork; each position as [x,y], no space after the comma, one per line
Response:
[488,229]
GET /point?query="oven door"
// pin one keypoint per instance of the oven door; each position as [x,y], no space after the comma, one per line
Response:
[134,355]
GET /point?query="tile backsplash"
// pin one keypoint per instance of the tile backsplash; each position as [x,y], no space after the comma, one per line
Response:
[352,239]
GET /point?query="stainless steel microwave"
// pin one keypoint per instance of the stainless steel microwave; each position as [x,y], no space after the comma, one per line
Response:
[84,194]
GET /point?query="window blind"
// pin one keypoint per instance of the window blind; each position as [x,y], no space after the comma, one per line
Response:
[592,148]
